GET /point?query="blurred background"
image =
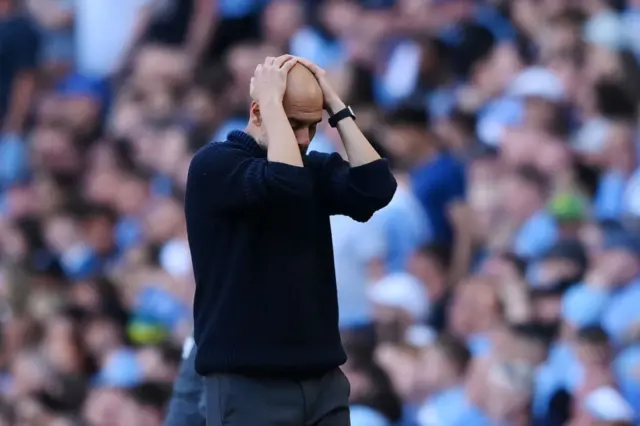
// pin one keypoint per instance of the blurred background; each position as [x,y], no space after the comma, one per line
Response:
[501,286]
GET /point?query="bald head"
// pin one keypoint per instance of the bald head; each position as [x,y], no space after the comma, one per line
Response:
[303,91]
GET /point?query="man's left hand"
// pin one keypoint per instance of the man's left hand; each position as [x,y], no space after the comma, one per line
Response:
[332,101]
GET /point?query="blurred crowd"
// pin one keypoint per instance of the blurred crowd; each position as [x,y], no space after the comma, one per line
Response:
[500,287]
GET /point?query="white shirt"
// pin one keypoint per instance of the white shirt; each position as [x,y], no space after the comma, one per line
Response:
[355,245]
[104,29]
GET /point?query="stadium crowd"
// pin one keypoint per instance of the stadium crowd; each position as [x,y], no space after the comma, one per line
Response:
[501,286]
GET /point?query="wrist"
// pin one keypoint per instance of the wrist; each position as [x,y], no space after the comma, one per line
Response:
[270,102]
[335,105]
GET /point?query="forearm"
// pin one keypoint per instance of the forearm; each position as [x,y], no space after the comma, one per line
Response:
[21,96]
[201,26]
[359,150]
[282,147]
[462,243]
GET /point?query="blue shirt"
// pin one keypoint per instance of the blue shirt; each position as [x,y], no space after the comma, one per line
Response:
[622,311]
[608,203]
[235,9]
[535,236]
[437,184]
[405,226]
[451,408]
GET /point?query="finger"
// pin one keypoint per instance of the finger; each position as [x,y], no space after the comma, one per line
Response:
[281,60]
[310,65]
[269,60]
[289,64]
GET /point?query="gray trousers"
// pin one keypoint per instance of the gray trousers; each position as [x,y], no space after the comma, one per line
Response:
[234,400]
[186,407]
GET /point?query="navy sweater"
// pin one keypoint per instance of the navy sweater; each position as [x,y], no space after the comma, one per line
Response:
[260,240]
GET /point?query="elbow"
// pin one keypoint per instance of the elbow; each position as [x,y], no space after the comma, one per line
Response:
[386,190]
[373,184]
[364,204]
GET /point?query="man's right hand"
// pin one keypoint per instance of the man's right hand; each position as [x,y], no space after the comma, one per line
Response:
[269,80]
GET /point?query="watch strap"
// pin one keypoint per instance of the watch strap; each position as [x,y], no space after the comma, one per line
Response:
[346,112]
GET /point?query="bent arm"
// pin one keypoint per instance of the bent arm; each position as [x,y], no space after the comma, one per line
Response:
[228,179]
[357,192]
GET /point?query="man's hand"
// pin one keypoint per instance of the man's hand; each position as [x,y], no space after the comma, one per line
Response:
[269,81]
[332,102]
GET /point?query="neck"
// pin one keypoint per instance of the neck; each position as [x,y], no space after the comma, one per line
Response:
[252,131]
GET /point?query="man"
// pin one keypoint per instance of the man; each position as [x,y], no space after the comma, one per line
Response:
[438,181]
[257,211]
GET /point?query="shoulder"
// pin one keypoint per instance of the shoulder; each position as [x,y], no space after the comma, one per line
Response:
[215,157]
[322,160]
[217,152]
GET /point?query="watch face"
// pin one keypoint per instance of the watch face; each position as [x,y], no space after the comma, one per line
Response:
[353,114]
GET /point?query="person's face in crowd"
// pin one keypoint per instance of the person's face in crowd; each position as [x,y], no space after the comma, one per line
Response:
[102,336]
[13,244]
[601,63]
[82,113]
[31,413]
[163,149]
[163,221]
[30,373]
[617,267]
[436,371]
[619,151]
[54,150]
[61,232]
[102,186]
[520,198]
[502,66]
[402,142]
[547,308]
[506,404]
[592,355]
[474,307]
[61,347]
[155,368]
[132,195]
[391,323]
[50,196]
[429,271]
[242,61]
[147,415]
[527,350]
[539,113]
[402,365]
[281,20]
[484,192]
[98,232]
[339,17]
[160,68]
[109,407]
[86,296]
[556,270]
[200,107]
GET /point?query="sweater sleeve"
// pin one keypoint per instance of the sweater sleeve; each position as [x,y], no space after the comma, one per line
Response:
[229,179]
[357,192]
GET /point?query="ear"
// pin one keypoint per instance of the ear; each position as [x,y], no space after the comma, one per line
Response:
[254,117]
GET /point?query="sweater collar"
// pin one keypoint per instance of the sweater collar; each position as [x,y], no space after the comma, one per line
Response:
[247,142]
